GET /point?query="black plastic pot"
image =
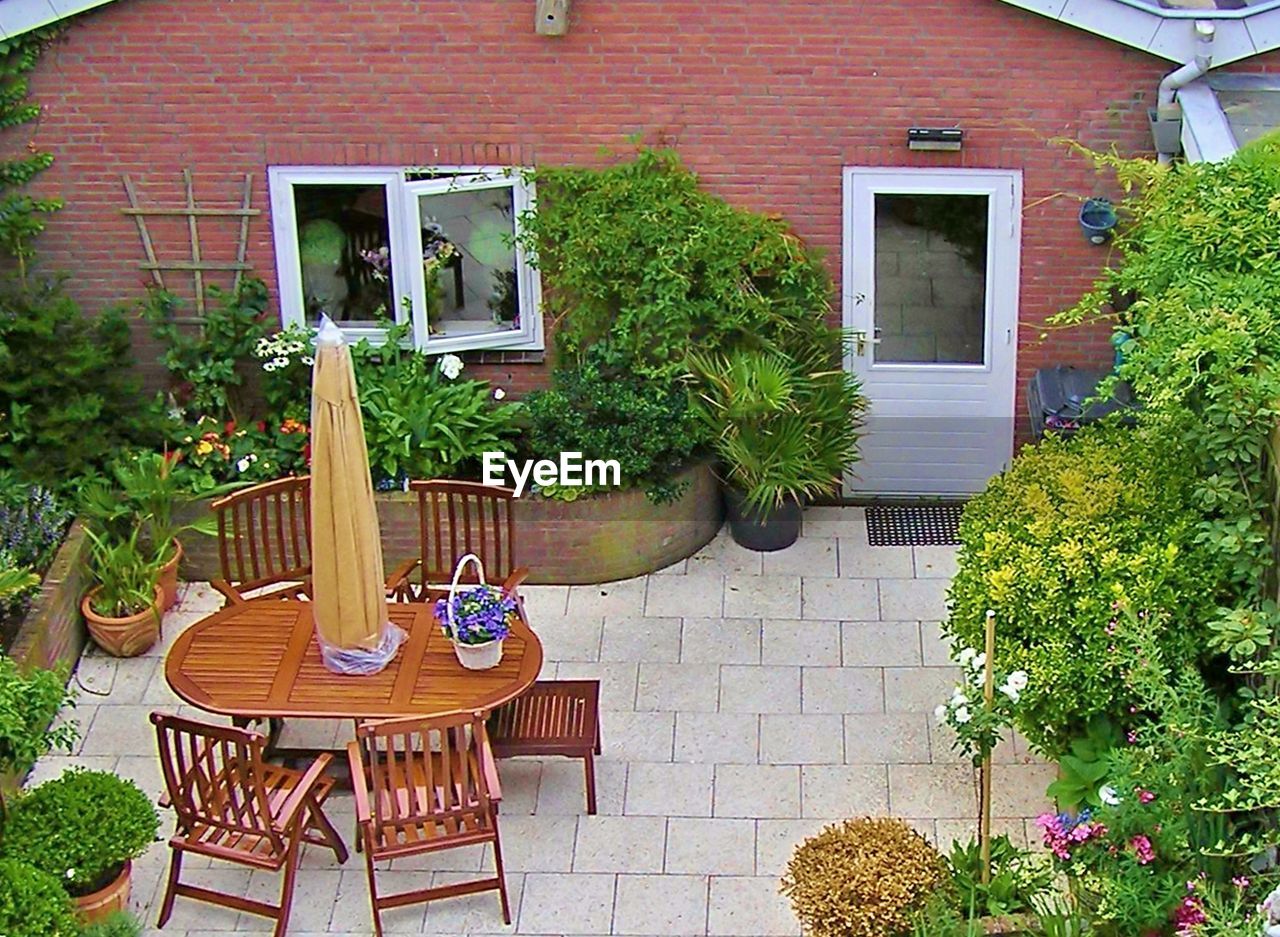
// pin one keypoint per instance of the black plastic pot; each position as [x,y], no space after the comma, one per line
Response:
[773,529]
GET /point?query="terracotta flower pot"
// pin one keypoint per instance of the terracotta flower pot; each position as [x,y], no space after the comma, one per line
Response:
[108,899]
[123,637]
[168,579]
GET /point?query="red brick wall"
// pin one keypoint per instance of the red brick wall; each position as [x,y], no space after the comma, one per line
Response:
[766,100]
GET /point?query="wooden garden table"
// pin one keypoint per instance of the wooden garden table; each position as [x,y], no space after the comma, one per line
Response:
[260,659]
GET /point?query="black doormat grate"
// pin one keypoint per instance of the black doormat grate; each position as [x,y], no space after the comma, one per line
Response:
[896,526]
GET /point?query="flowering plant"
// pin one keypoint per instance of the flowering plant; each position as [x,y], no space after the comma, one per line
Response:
[286,359]
[436,252]
[978,728]
[480,614]
[210,453]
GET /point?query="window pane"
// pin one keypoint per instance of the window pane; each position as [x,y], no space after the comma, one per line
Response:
[344,248]
[931,278]
[469,262]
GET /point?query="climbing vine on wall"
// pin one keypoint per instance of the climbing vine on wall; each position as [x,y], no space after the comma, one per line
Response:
[22,217]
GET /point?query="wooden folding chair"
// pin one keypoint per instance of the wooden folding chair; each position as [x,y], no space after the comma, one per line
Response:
[233,805]
[552,717]
[424,785]
[454,519]
[264,540]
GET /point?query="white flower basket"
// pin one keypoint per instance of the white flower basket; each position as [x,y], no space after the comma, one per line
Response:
[479,656]
[471,656]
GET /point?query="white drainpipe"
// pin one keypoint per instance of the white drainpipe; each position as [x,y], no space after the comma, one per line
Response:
[1167,107]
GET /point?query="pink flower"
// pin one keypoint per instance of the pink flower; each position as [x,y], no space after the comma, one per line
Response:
[1240,882]
[1142,847]
[1190,914]
[1132,737]
[1144,796]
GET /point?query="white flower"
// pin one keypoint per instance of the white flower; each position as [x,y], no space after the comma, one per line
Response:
[962,715]
[308,360]
[958,698]
[940,712]
[499,393]
[1017,680]
[1010,691]
[979,678]
[71,873]
[280,362]
[979,662]
[967,655]
[1270,910]
[243,464]
[451,366]
[1107,794]
[268,366]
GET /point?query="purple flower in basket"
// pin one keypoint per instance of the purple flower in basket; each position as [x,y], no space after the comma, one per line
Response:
[480,614]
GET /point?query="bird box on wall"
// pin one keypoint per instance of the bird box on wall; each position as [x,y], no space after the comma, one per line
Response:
[553,17]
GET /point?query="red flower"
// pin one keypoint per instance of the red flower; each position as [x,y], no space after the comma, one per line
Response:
[262,426]
[229,428]
[306,452]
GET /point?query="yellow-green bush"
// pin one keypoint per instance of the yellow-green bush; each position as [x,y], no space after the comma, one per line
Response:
[1070,530]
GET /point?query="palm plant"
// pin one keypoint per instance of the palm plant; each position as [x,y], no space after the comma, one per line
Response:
[144,492]
[783,430]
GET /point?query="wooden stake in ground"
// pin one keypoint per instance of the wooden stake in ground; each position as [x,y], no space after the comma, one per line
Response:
[984,808]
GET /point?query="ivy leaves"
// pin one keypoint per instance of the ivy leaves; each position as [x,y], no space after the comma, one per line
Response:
[638,255]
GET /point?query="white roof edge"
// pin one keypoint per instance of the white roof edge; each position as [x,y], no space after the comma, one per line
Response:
[22,16]
[1169,37]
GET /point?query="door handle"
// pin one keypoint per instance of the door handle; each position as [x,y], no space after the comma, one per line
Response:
[861,341]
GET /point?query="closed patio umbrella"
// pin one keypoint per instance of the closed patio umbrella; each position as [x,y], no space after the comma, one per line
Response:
[348,591]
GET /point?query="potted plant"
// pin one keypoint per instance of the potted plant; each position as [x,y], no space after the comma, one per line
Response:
[147,494]
[476,618]
[784,431]
[122,611]
[33,903]
[84,828]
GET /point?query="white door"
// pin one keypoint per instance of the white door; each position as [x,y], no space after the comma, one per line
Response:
[931,293]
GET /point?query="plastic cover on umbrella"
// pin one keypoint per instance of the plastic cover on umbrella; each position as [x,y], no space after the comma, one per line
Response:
[348,589]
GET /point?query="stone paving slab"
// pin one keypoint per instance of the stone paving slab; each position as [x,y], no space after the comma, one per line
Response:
[747,699]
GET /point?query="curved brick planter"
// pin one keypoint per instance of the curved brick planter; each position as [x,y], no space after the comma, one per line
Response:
[597,539]
[53,630]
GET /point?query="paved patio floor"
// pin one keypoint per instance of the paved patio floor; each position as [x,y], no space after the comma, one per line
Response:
[747,700]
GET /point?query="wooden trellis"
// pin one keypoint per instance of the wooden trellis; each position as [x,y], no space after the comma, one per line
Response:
[197,266]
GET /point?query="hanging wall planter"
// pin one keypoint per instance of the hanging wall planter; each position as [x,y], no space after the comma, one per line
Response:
[1097,220]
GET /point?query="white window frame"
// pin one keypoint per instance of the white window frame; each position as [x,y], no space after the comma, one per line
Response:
[407,282]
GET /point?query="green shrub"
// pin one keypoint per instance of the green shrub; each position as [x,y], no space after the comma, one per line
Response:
[67,398]
[33,903]
[210,364]
[1018,878]
[28,704]
[638,255]
[1198,295]
[418,422]
[1055,543]
[606,411]
[81,828]
[119,924]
